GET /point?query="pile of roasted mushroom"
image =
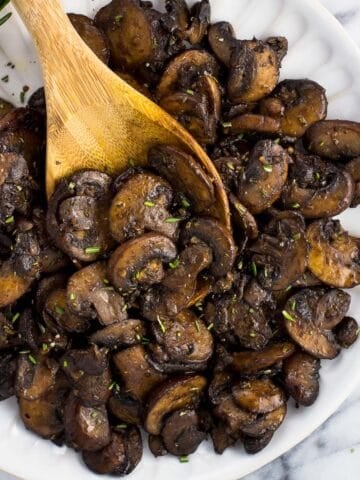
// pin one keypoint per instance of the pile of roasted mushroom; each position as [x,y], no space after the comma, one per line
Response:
[126,303]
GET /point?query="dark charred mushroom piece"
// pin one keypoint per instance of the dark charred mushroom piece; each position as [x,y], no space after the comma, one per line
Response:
[222,439]
[334,139]
[222,41]
[254,71]
[254,445]
[316,188]
[8,365]
[125,408]
[200,20]
[77,218]
[236,418]
[156,446]
[128,265]
[184,174]
[92,36]
[175,394]
[334,255]
[255,295]
[90,295]
[217,237]
[264,177]
[137,373]
[332,308]
[120,456]
[219,386]
[301,317]
[86,428]
[304,103]
[35,376]
[347,332]
[142,204]
[258,396]
[126,333]
[181,432]
[301,377]
[353,168]
[249,362]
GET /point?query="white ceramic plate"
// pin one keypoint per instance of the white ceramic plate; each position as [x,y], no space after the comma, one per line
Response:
[319,49]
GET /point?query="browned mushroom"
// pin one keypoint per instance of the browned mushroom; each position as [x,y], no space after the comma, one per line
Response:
[334,255]
[188,25]
[334,139]
[142,204]
[270,421]
[222,439]
[353,168]
[264,177]
[128,266]
[56,311]
[126,333]
[181,432]
[253,122]
[92,36]
[258,396]
[8,365]
[317,188]
[279,45]
[156,445]
[236,418]
[35,376]
[125,408]
[175,394]
[301,377]
[347,332]
[249,362]
[222,40]
[254,445]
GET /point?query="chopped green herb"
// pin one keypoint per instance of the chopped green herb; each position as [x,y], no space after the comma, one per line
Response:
[181,414]
[293,304]
[5,79]
[65,363]
[72,185]
[295,205]
[137,275]
[288,288]
[240,265]
[59,310]
[277,141]
[124,308]
[296,236]
[288,316]
[185,203]
[189,91]
[121,426]
[118,18]
[184,459]
[321,144]
[227,124]
[19,188]
[106,281]
[317,175]
[132,162]
[149,204]
[4,19]
[90,250]
[72,296]
[251,310]
[197,325]
[145,340]
[154,43]
[15,317]
[210,327]
[9,220]
[162,326]
[32,359]
[267,168]
[230,166]
[173,220]
[265,272]
[252,334]
[175,263]
[254,269]
[94,414]
[240,136]
[44,347]
[114,386]
[24,352]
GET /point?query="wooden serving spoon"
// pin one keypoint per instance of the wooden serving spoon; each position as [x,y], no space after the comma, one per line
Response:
[95,119]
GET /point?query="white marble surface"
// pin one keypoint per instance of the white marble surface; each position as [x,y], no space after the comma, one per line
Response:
[333,451]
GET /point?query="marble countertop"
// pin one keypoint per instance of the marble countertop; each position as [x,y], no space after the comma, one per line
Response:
[333,451]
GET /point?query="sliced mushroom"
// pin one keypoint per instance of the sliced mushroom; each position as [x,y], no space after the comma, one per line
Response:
[222,439]
[125,408]
[301,377]
[258,396]
[142,204]
[334,139]
[279,45]
[184,174]
[86,428]
[301,322]
[137,373]
[126,333]
[175,394]
[304,103]
[332,308]
[181,432]
[56,311]
[334,255]
[253,122]
[264,177]
[89,295]
[347,332]
[8,365]
[222,40]
[77,218]
[235,417]
[156,446]
[130,260]
[269,422]
[120,456]
[92,36]
[35,376]
[317,189]
[254,362]
[217,237]
[254,445]
[353,168]
[255,295]
[254,71]
[199,22]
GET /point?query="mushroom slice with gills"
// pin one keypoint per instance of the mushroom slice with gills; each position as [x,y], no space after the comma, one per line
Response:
[77,218]
[120,456]
[217,237]
[92,36]
[177,17]
[301,322]
[258,396]
[8,366]
[334,255]
[181,433]
[43,416]
[353,168]
[128,266]
[17,188]
[279,45]
[334,139]
[89,374]
[250,363]
[125,408]
[125,334]
[347,332]
[56,311]
[35,376]
[264,177]
[332,308]
[316,188]
[235,417]
[86,428]
[136,372]
[253,122]
[254,445]
[182,343]
[222,41]
[304,104]
[142,204]
[90,295]
[175,394]
[5,107]
[254,71]
[243,219]
[185,70]
[282,251]
[185,174]
[8,335]
[268,422]
[200,20]
[179,285]
[300,375]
